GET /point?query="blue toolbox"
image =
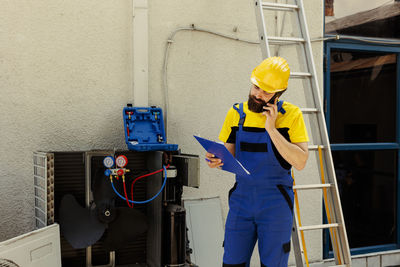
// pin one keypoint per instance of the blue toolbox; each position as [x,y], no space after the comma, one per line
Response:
[144,129]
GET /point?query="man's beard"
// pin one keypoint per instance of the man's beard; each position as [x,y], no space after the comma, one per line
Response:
[255,106]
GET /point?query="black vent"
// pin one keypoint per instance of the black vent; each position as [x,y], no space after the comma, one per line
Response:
[69,178]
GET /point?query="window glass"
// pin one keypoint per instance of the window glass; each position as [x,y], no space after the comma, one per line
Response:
[372,18]
[368,191]
[363,97]
[362,108]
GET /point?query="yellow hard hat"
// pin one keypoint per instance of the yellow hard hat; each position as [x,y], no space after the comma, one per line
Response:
[272,75]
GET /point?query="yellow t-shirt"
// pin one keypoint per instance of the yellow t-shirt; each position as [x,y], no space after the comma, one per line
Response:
[291,124]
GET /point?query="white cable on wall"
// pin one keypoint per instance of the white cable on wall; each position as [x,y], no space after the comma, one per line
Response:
[165,67]
[170,40]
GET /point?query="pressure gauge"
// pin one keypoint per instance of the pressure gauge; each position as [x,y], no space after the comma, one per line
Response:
[108,162]
[121,161]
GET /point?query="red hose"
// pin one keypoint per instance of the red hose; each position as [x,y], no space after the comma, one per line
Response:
[126,196]
[143,176]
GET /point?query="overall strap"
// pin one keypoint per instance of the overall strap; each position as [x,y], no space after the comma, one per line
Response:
[240,125]
[280,107]
[241,114]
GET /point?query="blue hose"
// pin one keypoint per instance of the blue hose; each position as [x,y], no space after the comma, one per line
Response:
[148,200]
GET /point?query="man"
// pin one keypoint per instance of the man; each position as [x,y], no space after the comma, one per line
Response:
[268,137]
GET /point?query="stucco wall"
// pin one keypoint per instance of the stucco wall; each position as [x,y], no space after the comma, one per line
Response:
[66,73]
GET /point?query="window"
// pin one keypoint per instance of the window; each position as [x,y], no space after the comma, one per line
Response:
[362,110]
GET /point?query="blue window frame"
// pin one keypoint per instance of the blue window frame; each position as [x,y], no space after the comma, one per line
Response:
[390,147]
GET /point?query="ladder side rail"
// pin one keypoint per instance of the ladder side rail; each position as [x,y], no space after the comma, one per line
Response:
[334,217]
[262,29]
[331,178]
[333,212]
[281,30]
[338,217]
[334,197]
[297,244]
[336,214]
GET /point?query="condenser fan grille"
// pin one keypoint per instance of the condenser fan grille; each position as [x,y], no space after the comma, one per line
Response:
[70,179]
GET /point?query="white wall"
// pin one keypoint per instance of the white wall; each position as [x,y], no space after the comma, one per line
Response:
[66,73]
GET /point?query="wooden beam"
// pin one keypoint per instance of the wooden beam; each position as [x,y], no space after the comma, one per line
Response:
[378,13]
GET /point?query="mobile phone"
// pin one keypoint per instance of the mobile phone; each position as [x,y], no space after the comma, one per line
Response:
[272,100]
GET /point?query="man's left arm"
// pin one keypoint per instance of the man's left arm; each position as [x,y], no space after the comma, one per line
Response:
[296,154]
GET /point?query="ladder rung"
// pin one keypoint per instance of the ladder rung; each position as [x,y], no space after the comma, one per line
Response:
[276,6]
[315,147]
[284,40]
[320,226]
[301,75]
[312,186]
[309,110]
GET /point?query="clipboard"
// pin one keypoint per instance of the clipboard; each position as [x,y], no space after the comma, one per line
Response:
[219,150]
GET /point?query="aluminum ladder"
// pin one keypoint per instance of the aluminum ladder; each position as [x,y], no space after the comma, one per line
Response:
[329,185]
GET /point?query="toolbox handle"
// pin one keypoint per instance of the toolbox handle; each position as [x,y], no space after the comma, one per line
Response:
[143,110]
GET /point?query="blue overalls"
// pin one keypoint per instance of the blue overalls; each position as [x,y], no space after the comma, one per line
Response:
[260,205]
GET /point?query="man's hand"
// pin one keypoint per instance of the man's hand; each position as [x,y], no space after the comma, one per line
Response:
[212,161]
[271,112]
